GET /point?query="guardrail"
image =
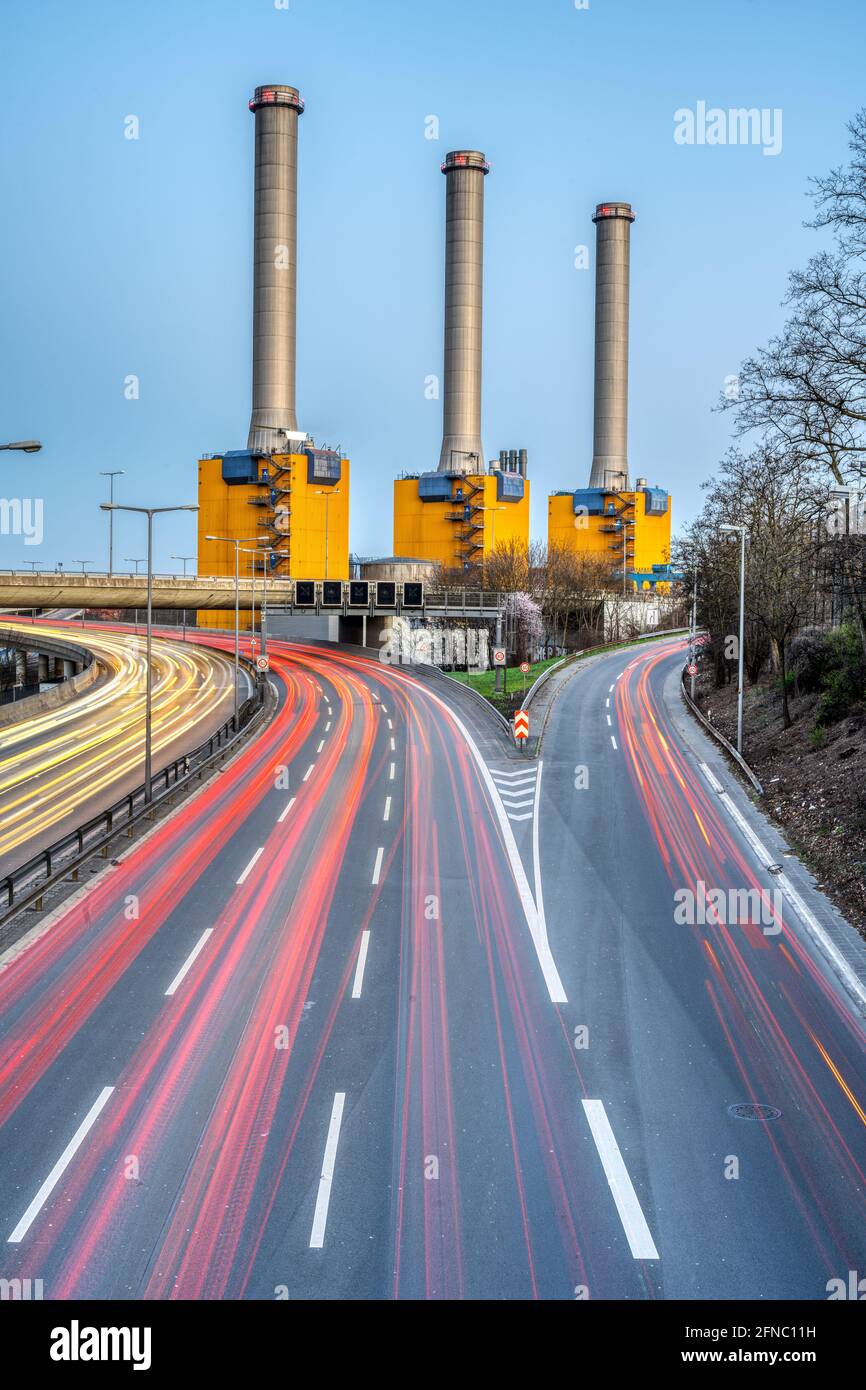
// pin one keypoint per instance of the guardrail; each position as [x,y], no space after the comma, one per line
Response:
[27,883]
[718,735]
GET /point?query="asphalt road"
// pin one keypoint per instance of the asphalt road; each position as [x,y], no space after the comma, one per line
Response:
[308,1040]
[687,1019]
[66,764]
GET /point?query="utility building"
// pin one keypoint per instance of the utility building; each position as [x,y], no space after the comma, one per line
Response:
[458,513]
[628,527]
[280,491]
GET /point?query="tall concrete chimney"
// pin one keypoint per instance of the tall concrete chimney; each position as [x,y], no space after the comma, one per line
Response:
[462,451]
[610,427]
[275,266]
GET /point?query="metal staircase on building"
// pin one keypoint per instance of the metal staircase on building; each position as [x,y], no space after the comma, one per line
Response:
[469,538]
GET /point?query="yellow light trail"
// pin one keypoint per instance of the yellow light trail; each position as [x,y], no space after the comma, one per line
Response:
[55,763]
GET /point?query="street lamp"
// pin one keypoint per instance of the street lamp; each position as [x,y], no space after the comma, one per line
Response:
[263,607]
[184,558]
[129,560]
[694,631]
[111,474]
[739,528]
[237,542]
[150,513]
[82,563]
[27,446]
[327,493]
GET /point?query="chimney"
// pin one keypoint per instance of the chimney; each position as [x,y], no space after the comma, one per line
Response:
[275,266]
[610,430]
[462,451]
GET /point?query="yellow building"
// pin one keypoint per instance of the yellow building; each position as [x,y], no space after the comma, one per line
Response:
[631,529]
[298,503]
[455,519]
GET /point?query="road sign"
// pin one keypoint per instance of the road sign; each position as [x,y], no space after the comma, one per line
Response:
[521,724]
[498,656]
[524,666]
[692,668]
[262,663]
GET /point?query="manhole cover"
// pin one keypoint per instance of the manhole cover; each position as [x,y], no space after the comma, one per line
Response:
[754,1112]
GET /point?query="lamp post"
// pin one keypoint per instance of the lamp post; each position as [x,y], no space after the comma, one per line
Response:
[184,558]
[327,493]
[237,542]
[263,606]
[111,474]
[26,446]
[82,563]
[150,513]
[739,528]
[694,631]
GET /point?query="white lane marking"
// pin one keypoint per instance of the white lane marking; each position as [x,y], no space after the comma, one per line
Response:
[533,908]
[516,784]
[711,778]
[391,772]
[60,1167]
[197,948]
[330,711]
[328,727]
[387,815]
[608,719]
[384,709]
[358,981]
[807,917]
[613,741]
[307,773]
[528,816]
[377,868]
[321,746]
[323,1198]
[248,870]
[523,772]
[637,1231]
[610,688]
[607,703]
[284,813]
[393,745]
[390,723]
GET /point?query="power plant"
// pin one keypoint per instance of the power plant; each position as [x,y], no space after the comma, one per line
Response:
[289,500]
[458,513]
[280,493]
[627,528]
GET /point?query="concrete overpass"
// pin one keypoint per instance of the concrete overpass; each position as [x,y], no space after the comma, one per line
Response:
[22,591]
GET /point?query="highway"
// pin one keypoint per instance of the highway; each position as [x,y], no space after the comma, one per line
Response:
[321,1033]
[59,767]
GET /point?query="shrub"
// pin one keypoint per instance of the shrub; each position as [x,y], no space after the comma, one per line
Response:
[844,681]
[810,659]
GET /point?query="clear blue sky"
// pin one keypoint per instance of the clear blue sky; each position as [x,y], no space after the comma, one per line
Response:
[127,257]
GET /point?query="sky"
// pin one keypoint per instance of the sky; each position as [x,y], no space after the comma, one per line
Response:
[129,258]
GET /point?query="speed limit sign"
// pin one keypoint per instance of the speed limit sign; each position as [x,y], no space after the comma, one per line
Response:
[524,666]
[692,668]
[498,656]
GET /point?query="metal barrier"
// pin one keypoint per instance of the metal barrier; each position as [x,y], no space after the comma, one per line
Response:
[718,735]
[27,883]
